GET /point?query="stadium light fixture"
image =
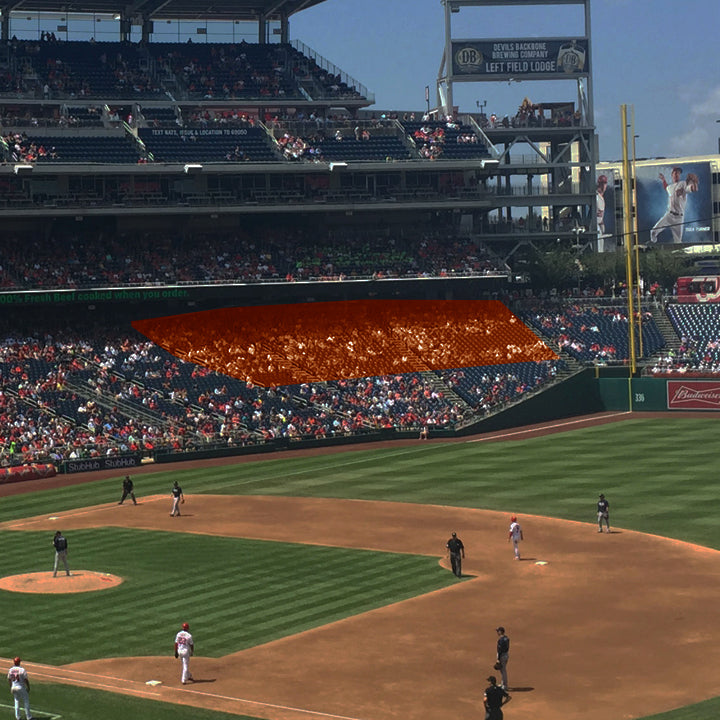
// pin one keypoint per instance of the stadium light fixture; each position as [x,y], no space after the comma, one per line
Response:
[23,169]
[192,169]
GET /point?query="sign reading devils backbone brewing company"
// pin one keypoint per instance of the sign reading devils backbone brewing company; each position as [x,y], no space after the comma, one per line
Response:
[532,57]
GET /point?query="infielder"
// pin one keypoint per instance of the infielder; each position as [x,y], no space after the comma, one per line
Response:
[178,498]
[677,192]
[603,511]
[20,688]
[184,649]
[503,655]
[516,535]
[61,545]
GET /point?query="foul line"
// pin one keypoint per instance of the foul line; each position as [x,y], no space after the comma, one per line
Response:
[49,672]
[62,515]
[554,426]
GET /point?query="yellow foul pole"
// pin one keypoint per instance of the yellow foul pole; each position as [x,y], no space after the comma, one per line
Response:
[628,180]
[636,241]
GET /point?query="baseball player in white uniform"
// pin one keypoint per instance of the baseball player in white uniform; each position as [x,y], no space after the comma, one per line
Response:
[602,182]
[20,688]
[184,648]
[515,535]
[674,217]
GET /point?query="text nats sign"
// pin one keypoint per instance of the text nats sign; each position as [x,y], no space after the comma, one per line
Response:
[500,59]
[693,395]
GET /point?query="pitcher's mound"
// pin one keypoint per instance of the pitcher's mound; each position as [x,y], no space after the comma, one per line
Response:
[44,582]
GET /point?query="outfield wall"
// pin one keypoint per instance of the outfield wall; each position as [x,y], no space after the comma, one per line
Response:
[578,395]
[660,394]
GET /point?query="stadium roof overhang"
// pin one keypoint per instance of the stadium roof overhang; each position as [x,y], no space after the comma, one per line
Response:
[244,10]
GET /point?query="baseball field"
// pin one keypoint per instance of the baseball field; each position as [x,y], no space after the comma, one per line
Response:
[316,584]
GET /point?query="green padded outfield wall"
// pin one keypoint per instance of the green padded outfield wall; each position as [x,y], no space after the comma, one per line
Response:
[659,394]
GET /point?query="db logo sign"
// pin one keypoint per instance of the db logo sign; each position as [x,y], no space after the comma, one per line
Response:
[469,59]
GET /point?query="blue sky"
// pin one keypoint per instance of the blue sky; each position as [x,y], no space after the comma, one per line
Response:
[662,57]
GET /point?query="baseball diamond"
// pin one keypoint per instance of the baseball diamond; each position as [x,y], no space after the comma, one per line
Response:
[594,590]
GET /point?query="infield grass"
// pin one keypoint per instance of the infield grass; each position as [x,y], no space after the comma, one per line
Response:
[236,593]
[660,477]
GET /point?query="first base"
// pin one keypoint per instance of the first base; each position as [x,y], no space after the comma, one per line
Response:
[541,562]
[154,682]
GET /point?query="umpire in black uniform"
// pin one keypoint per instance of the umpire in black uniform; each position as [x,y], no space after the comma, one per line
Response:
[495,698]
[128,490]
[456,550]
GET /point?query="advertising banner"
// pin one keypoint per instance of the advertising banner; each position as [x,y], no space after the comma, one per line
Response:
[674,203]
[518,58]
[693,395]
[101,463]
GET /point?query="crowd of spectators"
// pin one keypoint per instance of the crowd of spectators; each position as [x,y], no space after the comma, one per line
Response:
[698,351]
[595,334]
[22,149]
[53,70]
[68,395]
[110,391]
[126,259]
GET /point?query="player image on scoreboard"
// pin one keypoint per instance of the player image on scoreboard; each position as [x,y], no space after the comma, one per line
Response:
[605,204]
[674,203]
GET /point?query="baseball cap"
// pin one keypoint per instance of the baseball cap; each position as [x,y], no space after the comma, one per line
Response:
[492,679]
[17,660]
[500,629]
[454,534]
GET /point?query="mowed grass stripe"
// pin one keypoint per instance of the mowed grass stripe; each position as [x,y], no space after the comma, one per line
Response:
[317,584]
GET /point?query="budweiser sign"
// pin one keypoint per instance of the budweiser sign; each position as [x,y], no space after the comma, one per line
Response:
[689,395]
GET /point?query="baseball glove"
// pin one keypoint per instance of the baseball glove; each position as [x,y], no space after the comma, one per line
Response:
[176,656]
[497,666]
[693,180]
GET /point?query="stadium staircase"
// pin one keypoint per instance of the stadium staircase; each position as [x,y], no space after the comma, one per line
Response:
[110,402]
[437,384]
[672,341]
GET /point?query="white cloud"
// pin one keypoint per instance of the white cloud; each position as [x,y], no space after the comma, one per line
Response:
[701,131]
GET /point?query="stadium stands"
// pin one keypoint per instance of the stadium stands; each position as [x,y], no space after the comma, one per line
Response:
[698,328]
[591,334]
[68,260]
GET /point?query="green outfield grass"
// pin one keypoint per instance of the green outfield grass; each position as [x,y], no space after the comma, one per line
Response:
[659,475]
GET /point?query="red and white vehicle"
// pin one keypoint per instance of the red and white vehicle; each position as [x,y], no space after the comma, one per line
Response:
[698,289]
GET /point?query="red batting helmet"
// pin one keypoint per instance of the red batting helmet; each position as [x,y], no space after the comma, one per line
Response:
[17,660]
[185,626]
[513,519]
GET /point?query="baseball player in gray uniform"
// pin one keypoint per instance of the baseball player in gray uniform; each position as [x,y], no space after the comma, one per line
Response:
[61,549]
